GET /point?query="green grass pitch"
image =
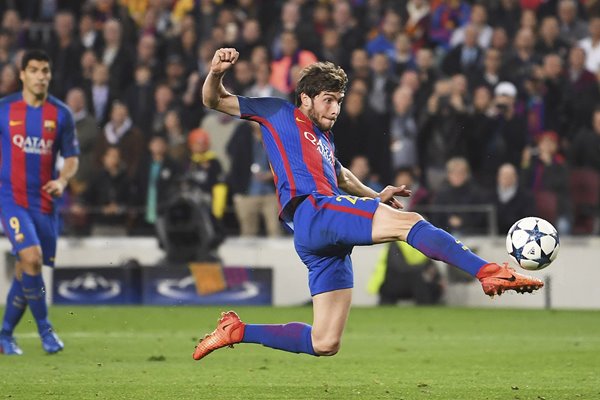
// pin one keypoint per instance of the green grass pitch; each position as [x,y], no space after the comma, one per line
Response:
[387,353]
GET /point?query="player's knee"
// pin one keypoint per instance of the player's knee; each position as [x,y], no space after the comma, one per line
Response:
[31,262]
[412,218]
[326,347]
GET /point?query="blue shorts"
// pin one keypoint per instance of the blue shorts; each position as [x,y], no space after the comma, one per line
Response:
[25,228]
[326,228]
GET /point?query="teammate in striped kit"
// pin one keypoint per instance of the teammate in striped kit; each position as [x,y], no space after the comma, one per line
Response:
[34,128]
[327,224]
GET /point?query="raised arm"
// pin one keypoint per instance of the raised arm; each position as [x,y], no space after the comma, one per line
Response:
[214,94]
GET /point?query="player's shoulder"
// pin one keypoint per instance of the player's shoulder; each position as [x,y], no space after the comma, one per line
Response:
[268,102]
[11,98]
[62,107]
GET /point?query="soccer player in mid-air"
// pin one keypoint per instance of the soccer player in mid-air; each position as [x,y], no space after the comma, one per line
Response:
[327,224]
[34,128]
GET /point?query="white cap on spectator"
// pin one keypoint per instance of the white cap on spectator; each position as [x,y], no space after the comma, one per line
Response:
[505,89]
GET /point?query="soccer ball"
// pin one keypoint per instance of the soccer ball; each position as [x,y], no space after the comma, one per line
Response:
[533,243]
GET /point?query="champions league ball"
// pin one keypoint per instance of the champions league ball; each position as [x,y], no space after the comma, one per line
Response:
[533,243]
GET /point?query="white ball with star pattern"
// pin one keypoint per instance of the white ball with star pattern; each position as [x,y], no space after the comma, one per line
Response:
[533,243]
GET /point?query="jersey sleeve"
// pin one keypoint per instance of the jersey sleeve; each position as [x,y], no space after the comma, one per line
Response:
[261,107]
[69,145]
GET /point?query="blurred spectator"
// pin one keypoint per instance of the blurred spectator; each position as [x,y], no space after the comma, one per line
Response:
[359,65]
[139,96]
[86,65]
[419,197]
[507,15]
[164,100]
[489,74]
[359,166]
[478,128]
[250,38]
[460,191]
[353,129]
[204,172]
[465,57]
[585,150]
[572,28]
[292,56]
[404,273]
[501,42]
[157,179]
[381,85]
[191,102]
[512,201]
[426,70]
[65,53]
[88,35]
[174,132]
[243,76]
[290,21]
[523,59]
[19,34]
[383,43]
[175,77]
[528,20]
[330,47]
[441,133]
[9,79]
[446,17]
[87,135]
[544,169]
[261,86]
[120,132]
[404,57]
[105,202]
[98,93]
[478,20]
[590,44]
[549,40]
[348,30]
[578,94]
[508,136]
[117,56]
[417,18]
[251,182]
[553,81]
[403,130]
[146,55]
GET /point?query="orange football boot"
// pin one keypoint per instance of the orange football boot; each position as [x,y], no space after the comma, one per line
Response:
[496,279]
[230,330]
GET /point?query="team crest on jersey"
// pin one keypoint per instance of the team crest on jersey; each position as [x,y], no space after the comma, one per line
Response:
[33,145]
[49,125]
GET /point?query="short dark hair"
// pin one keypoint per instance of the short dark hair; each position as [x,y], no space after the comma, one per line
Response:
[322,76]
[34,54]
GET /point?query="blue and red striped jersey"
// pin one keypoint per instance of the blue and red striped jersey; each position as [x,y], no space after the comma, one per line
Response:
[302,157]
[30,140]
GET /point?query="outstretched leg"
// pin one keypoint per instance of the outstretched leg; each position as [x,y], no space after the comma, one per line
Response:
[330,313]
[391,225]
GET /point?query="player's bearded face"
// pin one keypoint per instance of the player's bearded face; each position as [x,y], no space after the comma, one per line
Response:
[36,77]
[324,109]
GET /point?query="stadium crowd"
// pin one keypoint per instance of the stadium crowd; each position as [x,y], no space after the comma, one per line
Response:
[488,110]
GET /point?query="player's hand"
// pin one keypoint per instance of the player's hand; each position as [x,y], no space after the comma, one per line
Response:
[387,195]
[223,59]
[55,188]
